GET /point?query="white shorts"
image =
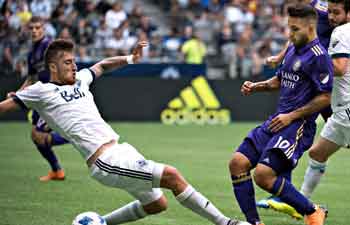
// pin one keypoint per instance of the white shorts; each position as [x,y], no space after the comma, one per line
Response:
[337,130]
[122,166]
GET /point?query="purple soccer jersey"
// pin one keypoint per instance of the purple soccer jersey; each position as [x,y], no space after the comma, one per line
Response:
[303,74]
[36,64]
[324,30]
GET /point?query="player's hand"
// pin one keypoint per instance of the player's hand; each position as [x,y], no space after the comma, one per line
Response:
[137,51]
[272,61]
[10,94]
[280,122]
[247,88]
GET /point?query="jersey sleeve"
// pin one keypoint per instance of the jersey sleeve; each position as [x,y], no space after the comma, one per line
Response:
[86,76]
[322,73]
[339,47]
[29,97]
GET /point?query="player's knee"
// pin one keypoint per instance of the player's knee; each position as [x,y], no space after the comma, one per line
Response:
[40,138]
[239,164]
[171,177]
[157,206]
[263,177]
[317,155]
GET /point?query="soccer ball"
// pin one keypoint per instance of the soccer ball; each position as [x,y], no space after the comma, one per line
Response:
[89,218]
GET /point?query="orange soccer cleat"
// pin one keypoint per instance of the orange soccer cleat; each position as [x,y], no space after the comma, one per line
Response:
[53,175]
[316,218]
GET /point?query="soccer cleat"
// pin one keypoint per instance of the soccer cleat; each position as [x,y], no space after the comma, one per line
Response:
[279,206]
[316,218]
[53,175]
[263,203]
[237,222]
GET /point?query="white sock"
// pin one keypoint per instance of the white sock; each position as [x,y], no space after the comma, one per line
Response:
[199,204]
[130,212]
[312,177]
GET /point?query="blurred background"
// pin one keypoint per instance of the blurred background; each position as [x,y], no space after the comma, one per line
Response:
[225,41]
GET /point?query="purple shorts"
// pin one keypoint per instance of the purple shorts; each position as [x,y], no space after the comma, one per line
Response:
[289,144]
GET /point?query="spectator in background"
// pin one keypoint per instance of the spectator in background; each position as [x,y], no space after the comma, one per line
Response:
[146,25]
[102,35]
[135,15]
[9,48]
[171,44]
[119,45]
[244,52]
[65,33]
[115,16]
[42,8]
[194,50]
[23,12]
[83,32]
[205,27]
[82,55]
[237,13]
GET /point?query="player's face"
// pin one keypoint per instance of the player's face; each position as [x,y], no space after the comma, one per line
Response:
[336,14]
[36,31]
[66,68]
[298,31]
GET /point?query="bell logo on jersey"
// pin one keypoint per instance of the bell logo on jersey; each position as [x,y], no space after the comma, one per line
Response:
[70,96]
[196,104]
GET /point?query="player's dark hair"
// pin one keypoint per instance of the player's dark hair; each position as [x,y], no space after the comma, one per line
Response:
[346,4]
[303,11]
[55,48]
[36,19]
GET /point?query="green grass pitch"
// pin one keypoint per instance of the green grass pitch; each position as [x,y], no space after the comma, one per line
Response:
[201,153]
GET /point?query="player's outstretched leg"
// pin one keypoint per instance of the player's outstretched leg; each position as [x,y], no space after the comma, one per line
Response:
[42,141]
[184,193]
[192,199]
[266,178]
[319,154]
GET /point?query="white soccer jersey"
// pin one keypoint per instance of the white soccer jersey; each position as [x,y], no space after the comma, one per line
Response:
[71,111]
[340,47]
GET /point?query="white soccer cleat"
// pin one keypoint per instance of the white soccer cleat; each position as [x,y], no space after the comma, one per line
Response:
[237,222]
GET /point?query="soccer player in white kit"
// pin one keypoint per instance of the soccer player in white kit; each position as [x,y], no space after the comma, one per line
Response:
[336,132]
[67,105]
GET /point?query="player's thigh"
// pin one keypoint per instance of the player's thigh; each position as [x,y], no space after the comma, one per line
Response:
[323,149]
[149,197]
[122,166]
[277,161]
[332,137]
[253,145]
[40,137]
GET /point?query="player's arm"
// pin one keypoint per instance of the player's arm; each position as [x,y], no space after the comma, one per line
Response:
[118,61]
[340,65]
[274,60]
[339,50]
[271,84]
[8,105]
[315,105]
[29,81]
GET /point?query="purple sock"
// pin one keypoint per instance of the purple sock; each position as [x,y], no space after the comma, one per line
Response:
[49,155]
[57,139]
[288,194]
[244,191]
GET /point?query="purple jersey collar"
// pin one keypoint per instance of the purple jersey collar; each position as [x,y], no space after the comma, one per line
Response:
[307,47]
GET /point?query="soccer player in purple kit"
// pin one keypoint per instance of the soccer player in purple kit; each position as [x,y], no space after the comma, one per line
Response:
[42,136]
[331,14]
[305,82]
